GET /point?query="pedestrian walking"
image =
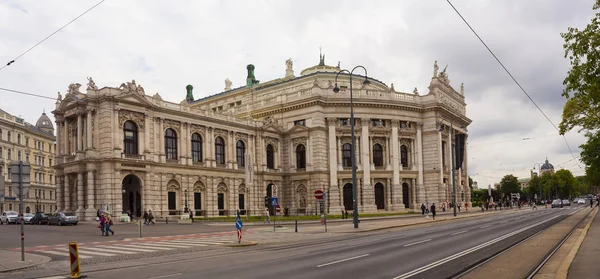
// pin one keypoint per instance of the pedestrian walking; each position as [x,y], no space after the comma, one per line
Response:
[130,215]
[267,217]
[422,209]
[102,223]
[150,217]
[433,210]
[192,215]
[108,224]
[146,217]
[443,207]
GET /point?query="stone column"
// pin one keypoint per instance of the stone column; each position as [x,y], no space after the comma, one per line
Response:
[396,198]
[279,157]
[368,192]
[190,160]
[147,124]
[334,189]
[413,193]
[91,195]
[59,138]
[229,154]
[309,153]
[65,137]
[440,158]
[183,143]
[59,194]
[67,193]
[80,199]
[161,138]
[449,163]
[338,149]
[88,132]
[420,193]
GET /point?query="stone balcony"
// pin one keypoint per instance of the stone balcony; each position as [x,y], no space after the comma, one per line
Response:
[133,156]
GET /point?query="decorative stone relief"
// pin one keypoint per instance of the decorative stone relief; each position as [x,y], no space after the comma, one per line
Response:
[271,141]
[199,187]
[297,141]
[222,188]
[168,123]
[157,97]
[379,141]
[91,84]
[197,129]
[73,88]
[221,133]
[332,122]
[443,76]
[240,136]
[242,189]
[136,117]
[452,104]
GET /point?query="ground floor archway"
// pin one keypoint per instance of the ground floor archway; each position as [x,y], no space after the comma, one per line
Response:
[348,202]
[405,197]
[132,195]
[380,196]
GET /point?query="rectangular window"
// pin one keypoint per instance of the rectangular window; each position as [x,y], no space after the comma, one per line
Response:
[344,121]
[241,201]
[377,123]
[301,122]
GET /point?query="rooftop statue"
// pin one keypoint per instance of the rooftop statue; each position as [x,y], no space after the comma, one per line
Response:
[227,84]
[435,69]
[91,84]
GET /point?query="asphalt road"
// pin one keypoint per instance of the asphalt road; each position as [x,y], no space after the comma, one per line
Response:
[437,250]
[36,235]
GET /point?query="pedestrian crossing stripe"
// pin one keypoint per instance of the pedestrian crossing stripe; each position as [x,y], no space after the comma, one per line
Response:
[86,252]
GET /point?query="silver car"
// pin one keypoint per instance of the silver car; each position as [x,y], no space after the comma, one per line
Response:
[63,218]
[9,217]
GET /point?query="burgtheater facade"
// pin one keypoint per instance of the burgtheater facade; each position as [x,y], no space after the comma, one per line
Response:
[121,149]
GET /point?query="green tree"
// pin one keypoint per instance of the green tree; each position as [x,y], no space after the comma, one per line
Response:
[590,155]
[582,85]
[470,183]
[509,184]
[567,184]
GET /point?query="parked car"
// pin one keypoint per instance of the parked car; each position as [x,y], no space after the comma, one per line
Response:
[566,203]
[63,218]
[9,217]
[581,201]
[557,203]
[27,218]
[39,218]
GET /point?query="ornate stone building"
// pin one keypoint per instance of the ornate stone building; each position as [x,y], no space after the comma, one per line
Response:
[121,149]
[22,141]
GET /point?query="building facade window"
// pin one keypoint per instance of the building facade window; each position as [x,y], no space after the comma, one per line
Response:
[130,139]
[300,156]
[8,135]
[171,144]
[220,151]
[378,155]
[347,155]
[18,138]
[301,122]
[196,148]
[270,157]
[240,152]
[404,156]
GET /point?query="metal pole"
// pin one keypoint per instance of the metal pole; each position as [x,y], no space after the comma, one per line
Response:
[296,225]
[21,210]
[354,199]
[453,180]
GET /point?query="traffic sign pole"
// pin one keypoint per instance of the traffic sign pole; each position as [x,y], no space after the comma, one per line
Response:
[21,211]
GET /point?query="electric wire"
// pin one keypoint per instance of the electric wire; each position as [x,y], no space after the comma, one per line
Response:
[511,76]
[48,37]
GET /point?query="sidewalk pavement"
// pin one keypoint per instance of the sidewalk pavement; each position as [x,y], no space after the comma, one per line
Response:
[10,261]
[585,264]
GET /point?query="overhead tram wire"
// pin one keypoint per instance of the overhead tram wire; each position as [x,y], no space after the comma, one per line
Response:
[26,93]
[512,77]
[48,37]
[507,141]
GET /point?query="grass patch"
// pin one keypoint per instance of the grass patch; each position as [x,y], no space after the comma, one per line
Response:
[299,218]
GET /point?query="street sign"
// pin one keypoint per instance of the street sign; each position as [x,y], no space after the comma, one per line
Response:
[273,190]
[275,201]
[278,209]
[74,260]
[25,169]
[319,194]
[238,224]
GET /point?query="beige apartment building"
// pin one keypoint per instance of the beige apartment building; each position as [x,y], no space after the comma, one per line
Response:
[122,149]
[22,141]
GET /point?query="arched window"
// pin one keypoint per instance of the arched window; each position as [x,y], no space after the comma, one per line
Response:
[404,156]
[378,155]
[300,156]
[171,144]
[220,151]
[347,155]
[270,157]
[196,148]
[18,138]
[240,152]
[8,136]
[130,137]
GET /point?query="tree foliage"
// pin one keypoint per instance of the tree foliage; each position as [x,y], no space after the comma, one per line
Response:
[582,84]
[470,183]
[509,184]
[590,155]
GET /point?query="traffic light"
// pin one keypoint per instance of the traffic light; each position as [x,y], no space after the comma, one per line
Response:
[267,201]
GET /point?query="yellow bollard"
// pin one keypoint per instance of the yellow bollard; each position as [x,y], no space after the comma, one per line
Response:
[74,260]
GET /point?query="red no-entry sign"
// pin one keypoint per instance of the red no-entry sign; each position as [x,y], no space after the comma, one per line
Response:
[278,209]
[319,194]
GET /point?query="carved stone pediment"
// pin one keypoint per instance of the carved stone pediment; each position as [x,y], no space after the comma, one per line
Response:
[221,133]
[197,129]
[273,142]
[173,124]
[380,141]
[222,188]
[136,117]
[300,140]
[241,136]
[131,87]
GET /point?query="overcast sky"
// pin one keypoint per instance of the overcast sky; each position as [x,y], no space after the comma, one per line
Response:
[165,45]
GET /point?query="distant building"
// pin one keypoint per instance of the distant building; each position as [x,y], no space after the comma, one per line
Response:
[22,141]
[547,168]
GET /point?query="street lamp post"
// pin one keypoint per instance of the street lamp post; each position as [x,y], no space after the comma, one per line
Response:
[540,185]
[336,89]
[453,166]
[124,198]
[185,192]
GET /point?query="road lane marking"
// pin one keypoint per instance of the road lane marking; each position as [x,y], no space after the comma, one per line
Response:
[486,226]
[344,260]
[165,276]
[418,242]
[460,232]
[468,251]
